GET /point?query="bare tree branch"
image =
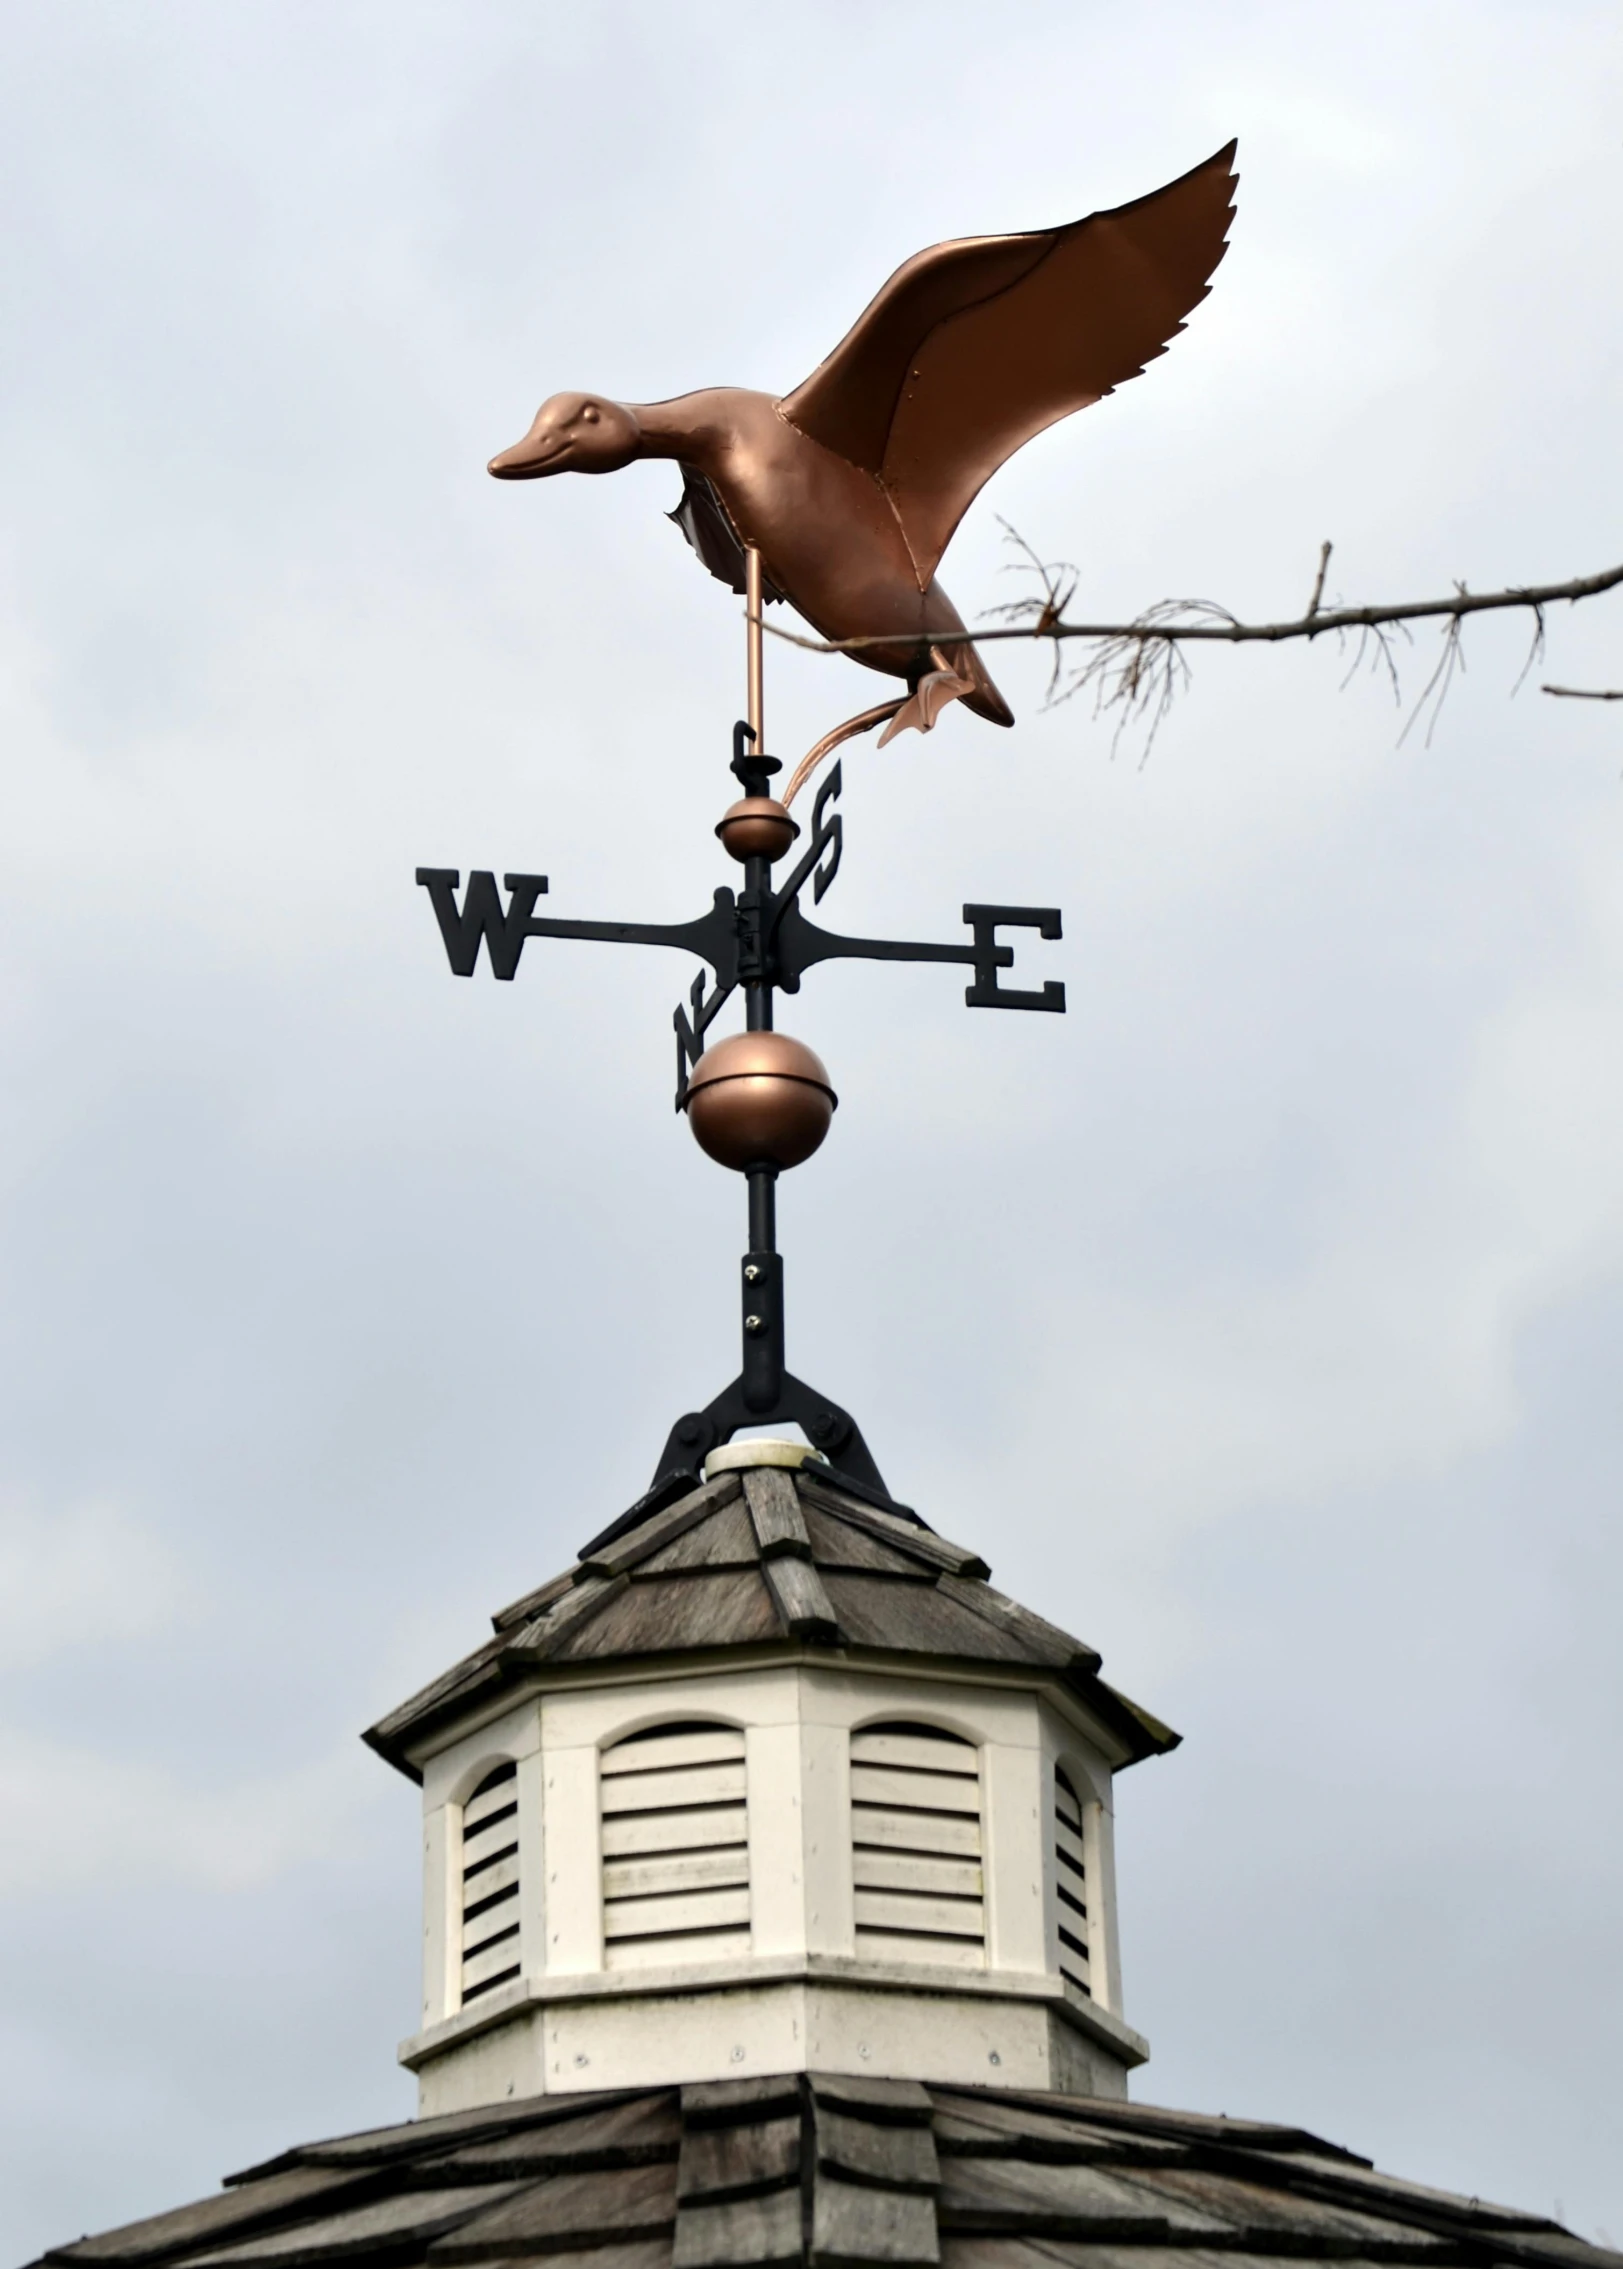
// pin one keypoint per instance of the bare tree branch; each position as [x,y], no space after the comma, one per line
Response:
[1138,668]
[1209,621]
[1582,693]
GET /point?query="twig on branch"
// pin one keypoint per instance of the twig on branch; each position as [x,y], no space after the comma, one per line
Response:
[1325,550]
[1053,603]
[1583,692]
[1138,668]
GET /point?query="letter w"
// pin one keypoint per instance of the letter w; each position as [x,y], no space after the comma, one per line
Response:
[481,916]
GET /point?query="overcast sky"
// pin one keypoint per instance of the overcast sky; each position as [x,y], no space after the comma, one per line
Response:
[1259,1319]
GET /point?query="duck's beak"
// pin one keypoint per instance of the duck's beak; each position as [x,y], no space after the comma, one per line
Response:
[527,460]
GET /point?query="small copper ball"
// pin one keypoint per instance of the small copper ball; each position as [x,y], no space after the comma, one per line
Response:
[757,827]
[759,1099]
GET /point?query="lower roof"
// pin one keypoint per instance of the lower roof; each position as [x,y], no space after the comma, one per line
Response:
[832,2173]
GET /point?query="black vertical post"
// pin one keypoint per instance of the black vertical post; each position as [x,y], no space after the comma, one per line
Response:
[762,1288]
[763,1209]
[762,1281]
[763,1268]
[758,995]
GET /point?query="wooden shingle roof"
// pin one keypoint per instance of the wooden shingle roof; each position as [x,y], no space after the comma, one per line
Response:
[769,1558]
[833,2173]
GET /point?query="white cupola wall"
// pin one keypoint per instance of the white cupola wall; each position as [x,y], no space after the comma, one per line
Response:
[771,1781]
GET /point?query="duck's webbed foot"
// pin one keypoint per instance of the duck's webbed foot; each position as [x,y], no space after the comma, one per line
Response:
[931,695]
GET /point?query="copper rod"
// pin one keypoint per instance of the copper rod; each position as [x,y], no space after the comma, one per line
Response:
[831,741]
[755,645]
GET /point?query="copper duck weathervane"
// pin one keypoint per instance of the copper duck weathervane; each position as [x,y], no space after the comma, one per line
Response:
[850,488]
[841,498]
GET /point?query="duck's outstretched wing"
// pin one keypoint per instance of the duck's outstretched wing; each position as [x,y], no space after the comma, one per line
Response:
[974,346]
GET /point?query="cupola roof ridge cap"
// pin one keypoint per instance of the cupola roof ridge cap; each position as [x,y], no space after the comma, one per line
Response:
[671,1488]
[983,1598]
[675,1492]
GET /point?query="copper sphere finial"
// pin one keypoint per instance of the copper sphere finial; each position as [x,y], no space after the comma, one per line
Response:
[759,1099]
[756,827]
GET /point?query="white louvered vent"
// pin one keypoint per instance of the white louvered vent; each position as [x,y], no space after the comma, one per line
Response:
[490,1883]
[916,1838]
[676,1874]
[1071,1881]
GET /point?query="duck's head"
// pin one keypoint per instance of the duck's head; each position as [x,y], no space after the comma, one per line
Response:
[572,433]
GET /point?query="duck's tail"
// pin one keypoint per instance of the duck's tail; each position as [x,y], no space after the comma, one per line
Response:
[985,699]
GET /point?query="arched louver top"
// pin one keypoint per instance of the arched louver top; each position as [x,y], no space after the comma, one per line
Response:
[490,1953]
[916,1846]
[676,1872]
[1071,1884]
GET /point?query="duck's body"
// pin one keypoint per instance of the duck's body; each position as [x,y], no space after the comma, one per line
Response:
[782,491]
[851,486]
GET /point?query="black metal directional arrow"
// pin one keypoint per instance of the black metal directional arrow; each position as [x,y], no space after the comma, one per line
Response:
[761,940]
[748,939]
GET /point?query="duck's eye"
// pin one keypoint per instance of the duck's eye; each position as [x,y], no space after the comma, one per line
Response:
[590,415]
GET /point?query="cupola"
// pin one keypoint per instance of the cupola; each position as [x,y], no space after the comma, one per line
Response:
[770,1780]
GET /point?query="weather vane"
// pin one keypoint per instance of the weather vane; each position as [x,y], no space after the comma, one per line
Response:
[841,498]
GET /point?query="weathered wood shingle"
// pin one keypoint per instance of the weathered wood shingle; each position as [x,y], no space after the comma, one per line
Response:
[829,2172]
[766,1557]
